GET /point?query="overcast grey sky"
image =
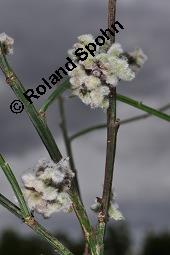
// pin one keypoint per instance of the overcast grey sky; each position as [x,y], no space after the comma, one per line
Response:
[43,32]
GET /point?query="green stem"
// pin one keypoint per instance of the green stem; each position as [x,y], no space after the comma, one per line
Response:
[143,107]
[67,142]
[10,206]
[121,98]
[34,225]
[42,232]
[57,92]
[15,186]
[87,130]
[75,192]
[35,117]
[84,222]
[122,122]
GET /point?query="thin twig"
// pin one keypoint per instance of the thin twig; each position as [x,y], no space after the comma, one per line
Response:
[57,92]
[75,192]
[43,233]
[84,222]
[119,97]
[63,126]
[122,122]
[10,206]
[143,107]
[112,129]
[34,225]
[15,186]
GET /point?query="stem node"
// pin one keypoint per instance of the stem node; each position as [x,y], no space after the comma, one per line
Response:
[101,217]
[30,221]
[10,78]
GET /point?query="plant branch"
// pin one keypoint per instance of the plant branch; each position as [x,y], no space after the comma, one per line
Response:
[87,130]
[42,232]
[84,222]
[10,206]
[63,126]
[119,97]
[143,107]
[34,225]
[112,129]
[15,186]
[35,117]
[75,192]
[57,92]
[122,122]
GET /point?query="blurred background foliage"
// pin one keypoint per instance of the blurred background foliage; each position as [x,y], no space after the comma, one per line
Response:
[118,242]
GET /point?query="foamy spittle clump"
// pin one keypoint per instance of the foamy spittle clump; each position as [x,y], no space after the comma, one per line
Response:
[113,212]
[46,189]
[93,77]
[7,42]
[138,59]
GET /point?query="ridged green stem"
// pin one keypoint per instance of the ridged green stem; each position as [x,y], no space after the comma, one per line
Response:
[77,202]
[10,206]
[34,225]
[35,117]
[143,107]
[56,93]
[67,142]
[122,122]
[42,232]
[85,223]
[119,97]
[15,186]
